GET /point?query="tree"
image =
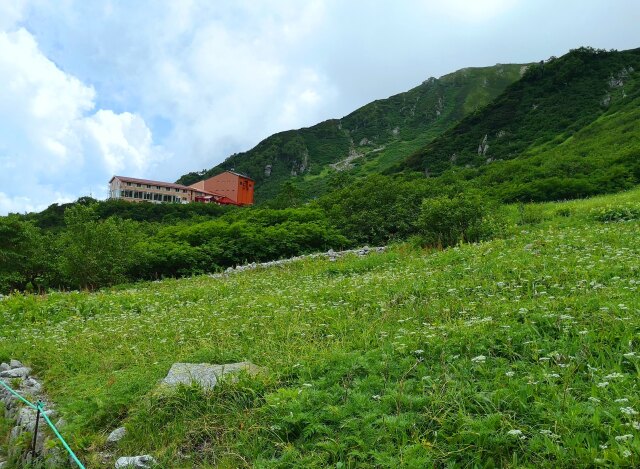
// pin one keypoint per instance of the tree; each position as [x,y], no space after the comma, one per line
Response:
[24,257]
[96,253]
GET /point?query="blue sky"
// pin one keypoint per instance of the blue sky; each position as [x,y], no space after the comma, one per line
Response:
[155,89]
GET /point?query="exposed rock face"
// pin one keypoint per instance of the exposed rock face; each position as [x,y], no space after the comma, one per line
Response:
[144,461]
[484,146]
[267,170]
[365,141]
[204,374]
[395,131]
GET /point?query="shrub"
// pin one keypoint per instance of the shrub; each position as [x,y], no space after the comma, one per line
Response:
[445,221]
[619,213]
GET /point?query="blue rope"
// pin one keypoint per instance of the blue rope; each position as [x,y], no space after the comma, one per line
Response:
[39,406]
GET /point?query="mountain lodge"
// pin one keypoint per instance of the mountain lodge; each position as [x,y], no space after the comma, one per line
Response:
[227,188]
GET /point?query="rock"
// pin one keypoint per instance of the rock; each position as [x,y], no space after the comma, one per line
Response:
[4,366]
[116,435]
[26,418]
[205,374]
[267,170]
[22,372]
[135,461]
[30,385]
[484,146]
[3,464]
[15,364]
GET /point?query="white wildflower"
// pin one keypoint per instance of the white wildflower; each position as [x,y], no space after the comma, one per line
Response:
[622,400]
[604,384]
[626,437]
[509,374]
[614,376]
[628,411]
[626,453]
[479,359]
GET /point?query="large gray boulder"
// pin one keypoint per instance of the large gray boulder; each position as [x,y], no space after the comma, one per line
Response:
[135,461]
[205,374]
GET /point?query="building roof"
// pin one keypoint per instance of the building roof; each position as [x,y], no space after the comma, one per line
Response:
[152,183]
[238,174]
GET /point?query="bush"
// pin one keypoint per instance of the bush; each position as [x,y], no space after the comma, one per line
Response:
[445,221]
[620,213]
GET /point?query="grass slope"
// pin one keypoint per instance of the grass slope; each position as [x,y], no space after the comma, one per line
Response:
[547,107]
[518,352]
[378,135]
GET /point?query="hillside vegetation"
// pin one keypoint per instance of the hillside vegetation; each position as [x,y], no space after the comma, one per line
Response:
[566,129]
[369,139]
[516,352]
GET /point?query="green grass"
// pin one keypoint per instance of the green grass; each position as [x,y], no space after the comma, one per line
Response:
[487,355]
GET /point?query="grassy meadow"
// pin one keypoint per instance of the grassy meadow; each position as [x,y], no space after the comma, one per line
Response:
[522,351]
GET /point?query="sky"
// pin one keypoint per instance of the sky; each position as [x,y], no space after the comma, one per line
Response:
[158,88]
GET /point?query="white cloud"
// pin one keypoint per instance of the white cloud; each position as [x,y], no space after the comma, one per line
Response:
[11,12]
[53,148]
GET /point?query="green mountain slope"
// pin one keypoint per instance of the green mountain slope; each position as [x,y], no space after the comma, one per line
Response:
[567,126]
[371,138]
[515,352]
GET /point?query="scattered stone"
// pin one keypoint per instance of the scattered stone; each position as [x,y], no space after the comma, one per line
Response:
[135,461]
[116,435]
[205,374]
[15,364]
[4,366]
[31,385]
[21,372]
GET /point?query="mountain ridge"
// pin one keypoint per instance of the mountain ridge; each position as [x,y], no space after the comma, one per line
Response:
[378,134]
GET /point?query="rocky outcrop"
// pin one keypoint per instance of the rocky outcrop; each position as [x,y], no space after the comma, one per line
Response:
[267,170]
[484,146]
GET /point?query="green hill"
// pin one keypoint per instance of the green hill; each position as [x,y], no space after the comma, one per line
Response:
[369,139]
[516,352]
[566,129]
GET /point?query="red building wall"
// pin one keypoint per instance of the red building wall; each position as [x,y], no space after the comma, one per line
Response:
[234,186]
